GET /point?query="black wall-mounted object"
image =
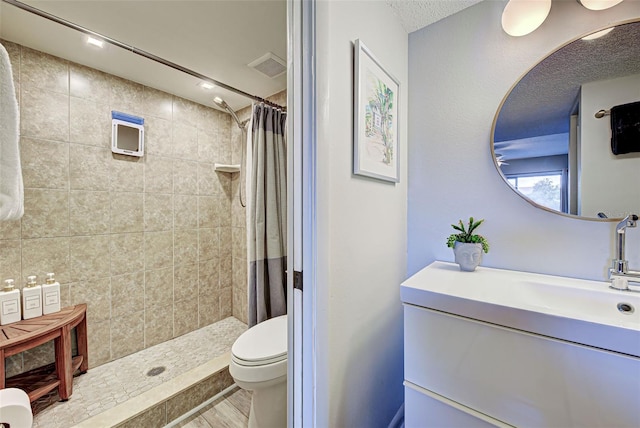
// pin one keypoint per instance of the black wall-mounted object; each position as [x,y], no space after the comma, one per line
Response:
[625,128]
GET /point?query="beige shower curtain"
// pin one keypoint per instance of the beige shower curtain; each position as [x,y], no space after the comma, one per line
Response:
[267,215]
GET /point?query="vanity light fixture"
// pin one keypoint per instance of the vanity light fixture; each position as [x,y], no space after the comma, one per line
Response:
[95,42]
[598,34]
[599,4]
[521,17]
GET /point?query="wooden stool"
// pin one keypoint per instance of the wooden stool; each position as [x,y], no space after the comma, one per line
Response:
[27,334]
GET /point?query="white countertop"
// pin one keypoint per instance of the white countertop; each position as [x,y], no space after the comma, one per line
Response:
[576,310]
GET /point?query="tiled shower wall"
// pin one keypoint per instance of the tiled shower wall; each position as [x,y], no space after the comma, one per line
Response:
[238,213]
[145,242]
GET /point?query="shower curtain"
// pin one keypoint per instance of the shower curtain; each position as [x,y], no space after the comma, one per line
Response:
[267,215]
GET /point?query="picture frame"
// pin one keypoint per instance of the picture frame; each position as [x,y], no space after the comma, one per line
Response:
[375,118]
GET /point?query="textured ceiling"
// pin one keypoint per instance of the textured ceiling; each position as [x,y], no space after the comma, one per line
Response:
[542,102]
[416,14]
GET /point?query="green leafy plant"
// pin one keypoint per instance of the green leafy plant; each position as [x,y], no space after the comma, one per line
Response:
[466,234]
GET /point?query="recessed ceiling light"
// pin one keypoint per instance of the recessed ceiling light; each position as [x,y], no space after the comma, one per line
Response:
[95,42]
[207,85]
[599,4]
[598,34]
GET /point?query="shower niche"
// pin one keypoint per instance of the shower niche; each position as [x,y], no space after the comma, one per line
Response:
[127,134]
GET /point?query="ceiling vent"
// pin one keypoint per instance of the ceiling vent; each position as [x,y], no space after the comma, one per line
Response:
[269,65]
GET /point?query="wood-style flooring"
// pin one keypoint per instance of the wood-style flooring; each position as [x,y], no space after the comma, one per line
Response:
[229,411]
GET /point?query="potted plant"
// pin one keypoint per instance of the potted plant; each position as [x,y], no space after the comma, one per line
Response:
[467,246]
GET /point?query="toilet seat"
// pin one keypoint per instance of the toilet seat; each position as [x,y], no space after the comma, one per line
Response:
[250,363]
[263,344]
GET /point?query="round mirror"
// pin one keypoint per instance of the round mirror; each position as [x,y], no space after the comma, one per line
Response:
[552,135]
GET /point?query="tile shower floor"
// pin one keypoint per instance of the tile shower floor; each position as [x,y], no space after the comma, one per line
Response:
[110,384]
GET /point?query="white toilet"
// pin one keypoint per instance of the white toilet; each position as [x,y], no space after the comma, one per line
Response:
[259,364]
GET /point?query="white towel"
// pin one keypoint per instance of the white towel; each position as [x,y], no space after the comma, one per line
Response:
[11,187]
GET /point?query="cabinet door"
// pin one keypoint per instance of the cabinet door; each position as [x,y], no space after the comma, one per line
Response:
[517,377]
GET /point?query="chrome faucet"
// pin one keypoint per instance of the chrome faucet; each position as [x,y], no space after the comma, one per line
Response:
[620,274]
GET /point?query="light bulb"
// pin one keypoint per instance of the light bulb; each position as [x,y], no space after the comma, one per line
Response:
[599,4]
[521,17]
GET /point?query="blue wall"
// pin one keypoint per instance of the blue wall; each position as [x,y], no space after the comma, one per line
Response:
[460,68]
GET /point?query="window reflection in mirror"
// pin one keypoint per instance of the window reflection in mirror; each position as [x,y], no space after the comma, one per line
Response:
[546,189]
[546,127]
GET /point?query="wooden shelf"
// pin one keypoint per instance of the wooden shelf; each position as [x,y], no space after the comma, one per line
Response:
[36,382]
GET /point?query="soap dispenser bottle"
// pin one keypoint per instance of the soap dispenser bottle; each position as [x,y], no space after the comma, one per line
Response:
[9,303]
[51,295]
[31,299]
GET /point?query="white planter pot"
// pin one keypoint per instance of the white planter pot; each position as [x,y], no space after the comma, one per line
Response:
[468,255]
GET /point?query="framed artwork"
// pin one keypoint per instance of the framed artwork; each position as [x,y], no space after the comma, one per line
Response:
[375,118]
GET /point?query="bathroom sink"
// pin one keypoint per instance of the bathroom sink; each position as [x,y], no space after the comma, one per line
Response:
[584,300]
[581,311]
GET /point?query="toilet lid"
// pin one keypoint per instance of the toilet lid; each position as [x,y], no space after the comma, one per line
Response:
[263,343]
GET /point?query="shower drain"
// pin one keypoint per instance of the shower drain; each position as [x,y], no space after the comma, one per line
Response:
[156,371]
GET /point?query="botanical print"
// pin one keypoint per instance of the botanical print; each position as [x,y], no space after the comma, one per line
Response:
[379,118]
[375,118]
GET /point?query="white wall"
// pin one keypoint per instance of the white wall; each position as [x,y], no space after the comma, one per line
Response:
[361,228]
[609,183]
[460,68]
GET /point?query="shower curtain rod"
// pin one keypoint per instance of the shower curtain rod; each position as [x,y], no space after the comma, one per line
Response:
[152,57]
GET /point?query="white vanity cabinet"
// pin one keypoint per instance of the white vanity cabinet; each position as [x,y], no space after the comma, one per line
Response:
[464,369]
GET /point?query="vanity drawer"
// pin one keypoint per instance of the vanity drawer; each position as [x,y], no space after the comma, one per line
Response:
[517,377]
[424,409]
